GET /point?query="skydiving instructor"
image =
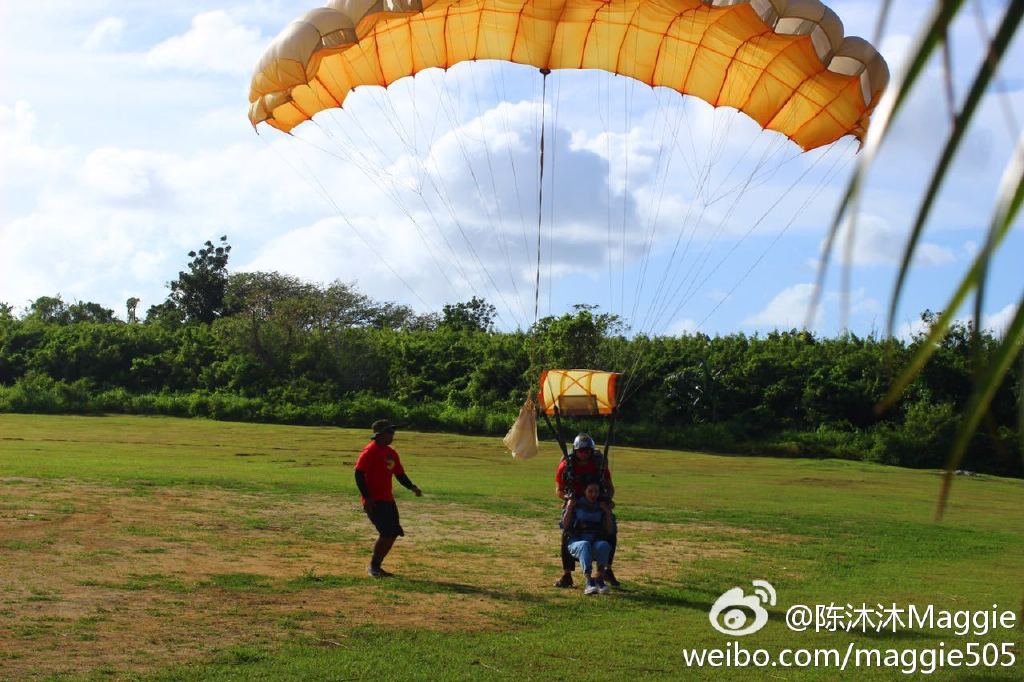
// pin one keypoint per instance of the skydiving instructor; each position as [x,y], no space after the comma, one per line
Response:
[376,465]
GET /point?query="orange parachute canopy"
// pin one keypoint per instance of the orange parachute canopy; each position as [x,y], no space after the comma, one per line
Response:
[784,63]
[577,392]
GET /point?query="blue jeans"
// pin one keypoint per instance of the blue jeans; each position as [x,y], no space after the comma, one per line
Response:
[587,551]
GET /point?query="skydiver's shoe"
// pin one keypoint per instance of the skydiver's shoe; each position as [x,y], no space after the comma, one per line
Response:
[564,581]
[610,577]
[602,587]
[378,572]
[591,587]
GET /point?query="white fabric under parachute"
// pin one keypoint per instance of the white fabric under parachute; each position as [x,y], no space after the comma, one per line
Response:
[521,439]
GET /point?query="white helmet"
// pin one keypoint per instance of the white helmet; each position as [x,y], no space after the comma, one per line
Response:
[583,441]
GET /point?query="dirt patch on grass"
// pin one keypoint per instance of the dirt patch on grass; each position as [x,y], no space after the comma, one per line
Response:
[100,577]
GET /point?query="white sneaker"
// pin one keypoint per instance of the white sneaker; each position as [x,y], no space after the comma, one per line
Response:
[591,587]
[602,587]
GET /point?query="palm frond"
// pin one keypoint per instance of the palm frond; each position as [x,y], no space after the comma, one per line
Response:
[935,30]
[1009,200]
[989,381]
[996,51]
[1008,205]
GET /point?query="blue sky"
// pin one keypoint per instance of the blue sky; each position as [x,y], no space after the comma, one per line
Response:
[125,144]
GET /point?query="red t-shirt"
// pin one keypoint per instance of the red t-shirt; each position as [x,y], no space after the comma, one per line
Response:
[378,464]
[583,473]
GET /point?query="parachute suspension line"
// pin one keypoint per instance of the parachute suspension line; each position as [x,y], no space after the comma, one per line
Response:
[500,235]
[829,175]
[690,293]
[655,215]
[689,136]
[660,183]
[604,113]
[440,189]
[778,142]
[441,192]
[540,193]
[627,105]
[385,183]
[663,296]
[701,259]
[627,113]
[670,265]
[380,181]
[415,130]
[319,188]
[822,183]
[502,96]
[499,231]
[551,200]
[760,178]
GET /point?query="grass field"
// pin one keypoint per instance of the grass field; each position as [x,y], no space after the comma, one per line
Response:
[188,549]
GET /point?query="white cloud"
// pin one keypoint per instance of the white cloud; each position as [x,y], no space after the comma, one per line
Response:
[213,44]
[124,174]
[684,326]
[876,241]
[120,219]
[25,162]
[999,321]
[894,49]
[106,32]
[786,310]
[789,308]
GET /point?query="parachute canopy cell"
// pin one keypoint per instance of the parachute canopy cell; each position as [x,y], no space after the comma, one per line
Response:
[784,63]
[577,392]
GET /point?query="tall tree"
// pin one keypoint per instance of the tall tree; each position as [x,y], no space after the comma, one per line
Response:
[199,291]
[476,314]
[574,339]
[49,309]
[87,311]
[132,305]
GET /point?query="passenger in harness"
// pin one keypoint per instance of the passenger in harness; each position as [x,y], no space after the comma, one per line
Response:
[588,523]
[576,471]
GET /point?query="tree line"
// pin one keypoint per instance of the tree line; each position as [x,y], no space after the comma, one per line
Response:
[263,346]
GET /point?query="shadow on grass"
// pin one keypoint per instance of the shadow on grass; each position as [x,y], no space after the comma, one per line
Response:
[647,595]
[448,587]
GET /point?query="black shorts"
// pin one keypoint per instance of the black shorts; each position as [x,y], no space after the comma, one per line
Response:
[385,519]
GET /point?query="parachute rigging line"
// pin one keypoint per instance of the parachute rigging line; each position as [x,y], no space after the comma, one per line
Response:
[455,119]
[639,362]
[322,191]
[380,180]
[814,195]
[451,111]
[551,200]
[540,194]
[386,183]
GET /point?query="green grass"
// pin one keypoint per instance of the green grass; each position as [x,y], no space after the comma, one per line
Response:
[692,526]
